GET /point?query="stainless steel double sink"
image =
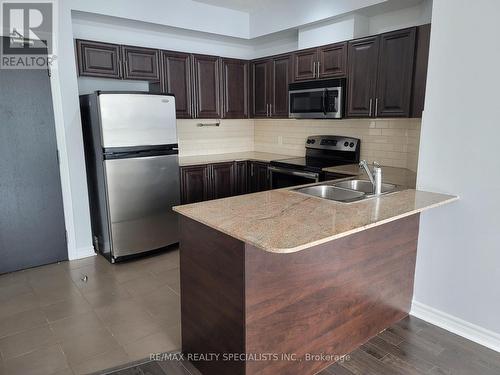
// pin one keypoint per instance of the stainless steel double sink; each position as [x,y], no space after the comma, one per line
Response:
[346,191]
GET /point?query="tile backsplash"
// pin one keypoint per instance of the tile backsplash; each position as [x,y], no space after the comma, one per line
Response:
[391,142]
[230,136]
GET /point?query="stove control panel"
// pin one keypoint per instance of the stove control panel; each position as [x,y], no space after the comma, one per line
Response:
[333,142]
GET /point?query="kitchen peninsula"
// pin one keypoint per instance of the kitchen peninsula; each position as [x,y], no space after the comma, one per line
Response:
[287,274]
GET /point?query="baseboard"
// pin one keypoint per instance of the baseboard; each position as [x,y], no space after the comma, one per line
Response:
[456,325]
[82,252]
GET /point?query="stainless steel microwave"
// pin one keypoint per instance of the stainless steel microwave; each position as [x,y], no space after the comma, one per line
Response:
[317,99]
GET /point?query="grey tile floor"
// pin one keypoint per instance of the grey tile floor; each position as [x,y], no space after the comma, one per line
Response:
[54,323]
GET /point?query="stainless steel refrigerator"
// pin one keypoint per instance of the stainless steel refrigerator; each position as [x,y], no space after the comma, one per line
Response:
[131,155]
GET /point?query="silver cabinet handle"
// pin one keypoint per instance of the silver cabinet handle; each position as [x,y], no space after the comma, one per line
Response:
[318,68]
[376,107]
[314,69]
[370,111]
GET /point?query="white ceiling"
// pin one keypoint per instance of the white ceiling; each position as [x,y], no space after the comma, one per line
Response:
[248,6]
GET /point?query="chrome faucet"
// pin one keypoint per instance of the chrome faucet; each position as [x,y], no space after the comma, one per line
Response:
[375,177]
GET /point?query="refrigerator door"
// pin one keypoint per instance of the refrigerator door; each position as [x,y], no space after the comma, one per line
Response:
[129,120]
[141,193]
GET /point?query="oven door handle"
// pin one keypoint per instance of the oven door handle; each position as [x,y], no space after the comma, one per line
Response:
[311,175]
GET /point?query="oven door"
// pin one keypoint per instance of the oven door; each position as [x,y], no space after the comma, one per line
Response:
[284,177]
[316,103]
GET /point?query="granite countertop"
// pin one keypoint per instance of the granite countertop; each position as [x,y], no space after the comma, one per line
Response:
[399,176]
[235,156]
[285,221]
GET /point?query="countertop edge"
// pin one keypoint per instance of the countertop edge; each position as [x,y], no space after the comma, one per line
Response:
[326,239]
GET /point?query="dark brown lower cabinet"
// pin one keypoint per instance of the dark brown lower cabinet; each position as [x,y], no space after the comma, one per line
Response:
[259,176]
[221,180]
[241,185]
[194,183]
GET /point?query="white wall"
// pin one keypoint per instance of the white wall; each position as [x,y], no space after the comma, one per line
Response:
[332,31]
[458,267]
[286,14]
[184,14]
[419,14]
[69,139]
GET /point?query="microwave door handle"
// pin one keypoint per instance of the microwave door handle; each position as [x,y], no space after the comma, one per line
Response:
[325,99]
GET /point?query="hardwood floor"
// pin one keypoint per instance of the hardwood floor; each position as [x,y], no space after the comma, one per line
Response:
[409,347]
[413,346]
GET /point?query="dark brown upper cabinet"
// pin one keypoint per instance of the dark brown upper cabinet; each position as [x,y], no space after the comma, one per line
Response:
[280,79]
[332,60]
[98,59]
[322,62]
[260,88]
[304,63]
[362,76]
[269,86]
[380,75]
[177,80]
[206,89]
[395,74]
[420,69]
[141,63]
[234,88]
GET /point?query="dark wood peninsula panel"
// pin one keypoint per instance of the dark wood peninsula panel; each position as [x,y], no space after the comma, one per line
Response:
[329,298]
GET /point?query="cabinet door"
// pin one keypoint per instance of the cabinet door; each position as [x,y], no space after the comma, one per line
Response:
[362,77]
[177,81]
[206,86]
[332,60]
[260,92]
[420,71]
[141,63]
[259,177]
[281,74]
[222,180]
[97,59]
[234,88]
[194,183]
[241,184]
[395,73]
[305,64]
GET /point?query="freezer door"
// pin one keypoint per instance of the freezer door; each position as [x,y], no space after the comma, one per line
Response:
[137,120]
[141,193]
